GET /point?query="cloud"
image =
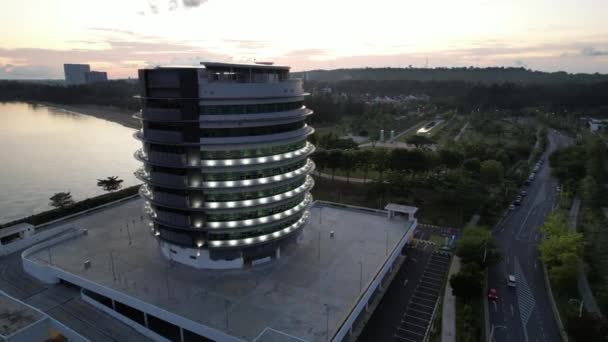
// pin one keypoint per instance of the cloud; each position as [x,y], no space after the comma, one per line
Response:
[120,58]
[592,52]
[159,6]
[193,3]
[9,71]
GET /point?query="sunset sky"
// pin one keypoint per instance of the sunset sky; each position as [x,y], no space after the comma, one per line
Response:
[119,36]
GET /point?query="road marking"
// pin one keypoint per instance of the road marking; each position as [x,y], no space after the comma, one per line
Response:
[525,299]
[404,338]
[512,310]
[410,323]
[405,282]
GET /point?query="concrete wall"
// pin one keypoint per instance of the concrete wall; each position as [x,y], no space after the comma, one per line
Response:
[33,239]
[140,328]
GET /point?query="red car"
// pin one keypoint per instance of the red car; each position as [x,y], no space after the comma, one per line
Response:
[493,294]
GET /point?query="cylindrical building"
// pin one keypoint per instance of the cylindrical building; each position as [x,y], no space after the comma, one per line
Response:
[225,154]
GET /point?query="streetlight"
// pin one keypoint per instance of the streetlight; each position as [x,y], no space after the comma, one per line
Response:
[494,327]
[580,308]
[326,321]
[360,276]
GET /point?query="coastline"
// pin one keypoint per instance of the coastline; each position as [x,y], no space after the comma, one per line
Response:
[114,114]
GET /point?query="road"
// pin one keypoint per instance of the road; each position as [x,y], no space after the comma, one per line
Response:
[524,313]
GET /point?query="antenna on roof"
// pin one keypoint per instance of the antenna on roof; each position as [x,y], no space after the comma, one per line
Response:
[263,63]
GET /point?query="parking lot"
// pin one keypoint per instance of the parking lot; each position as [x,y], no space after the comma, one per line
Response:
[419,312]
[406,310]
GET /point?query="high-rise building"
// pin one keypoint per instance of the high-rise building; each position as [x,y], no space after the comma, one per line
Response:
[75,73]
[95,76]
[226,167]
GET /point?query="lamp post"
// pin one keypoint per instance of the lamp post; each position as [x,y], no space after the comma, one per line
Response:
[580,308]
[326,322]
[494,327]
[360,276]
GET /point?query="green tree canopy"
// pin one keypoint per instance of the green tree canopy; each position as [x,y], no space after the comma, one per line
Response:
[109,184]
[61,200]
[467,283]
[491,171]
[476,245]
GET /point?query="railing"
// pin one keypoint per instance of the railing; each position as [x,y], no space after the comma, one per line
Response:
[168,179]
[166,158]
[161,114]
[170,200]
[163,136]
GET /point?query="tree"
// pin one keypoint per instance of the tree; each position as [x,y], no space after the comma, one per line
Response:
[381,162]
[476,245]
[589,327]
[467,283]
[109,184]
[363,161]
[320,157]
[348,163]
[419,140]
[334,161]
[61,200]
[590,191]
[491,171]
[472,165]
[450,157]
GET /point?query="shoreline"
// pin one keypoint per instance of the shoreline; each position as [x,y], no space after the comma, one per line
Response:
[117,115]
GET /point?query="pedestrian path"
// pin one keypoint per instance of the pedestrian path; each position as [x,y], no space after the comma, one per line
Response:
[582,282]
[448,315]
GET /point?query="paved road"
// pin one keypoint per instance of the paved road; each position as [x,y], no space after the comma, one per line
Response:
[525,311]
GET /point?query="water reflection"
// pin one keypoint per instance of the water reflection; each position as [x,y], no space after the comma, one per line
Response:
[46,150]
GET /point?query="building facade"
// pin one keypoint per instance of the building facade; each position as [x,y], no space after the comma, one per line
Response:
[75,73]
[226,167]
[95,76]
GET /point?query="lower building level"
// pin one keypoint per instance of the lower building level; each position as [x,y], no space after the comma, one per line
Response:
[315,289]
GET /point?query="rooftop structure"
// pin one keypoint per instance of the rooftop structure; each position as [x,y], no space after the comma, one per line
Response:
[225,156]
[315,292]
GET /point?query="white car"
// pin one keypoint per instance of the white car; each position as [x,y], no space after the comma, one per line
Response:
[512,207]
[511,280]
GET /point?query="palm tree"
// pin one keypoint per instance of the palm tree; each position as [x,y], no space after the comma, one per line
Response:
[61,200]
[109,184]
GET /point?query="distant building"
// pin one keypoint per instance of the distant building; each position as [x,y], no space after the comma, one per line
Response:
[95,76]
[597,124]
[75,73]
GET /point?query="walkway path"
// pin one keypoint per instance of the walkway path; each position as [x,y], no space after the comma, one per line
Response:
[448,315]
[582,283]
[464,128]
